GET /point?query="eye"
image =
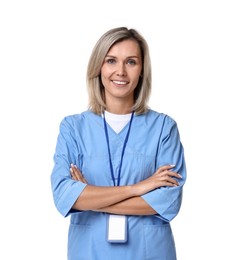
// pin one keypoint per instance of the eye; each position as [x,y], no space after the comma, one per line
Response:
[110,61]
[131,62]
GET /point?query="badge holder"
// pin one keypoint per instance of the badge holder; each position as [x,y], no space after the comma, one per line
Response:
[116,228]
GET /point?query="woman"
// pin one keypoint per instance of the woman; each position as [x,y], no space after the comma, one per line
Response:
[119,167]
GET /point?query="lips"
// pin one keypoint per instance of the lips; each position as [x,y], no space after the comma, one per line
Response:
[120,82]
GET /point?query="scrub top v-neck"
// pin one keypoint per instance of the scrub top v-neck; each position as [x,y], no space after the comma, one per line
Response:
[153,141]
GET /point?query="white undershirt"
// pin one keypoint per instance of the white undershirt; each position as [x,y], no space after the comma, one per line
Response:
[117,122]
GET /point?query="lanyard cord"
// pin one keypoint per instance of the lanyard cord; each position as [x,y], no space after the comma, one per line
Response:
[124,146]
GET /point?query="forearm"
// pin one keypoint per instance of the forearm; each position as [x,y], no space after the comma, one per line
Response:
[116,198]
[131,206]
[96,197]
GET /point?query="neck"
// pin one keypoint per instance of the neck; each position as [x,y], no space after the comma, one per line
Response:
[118,107]
[120,110]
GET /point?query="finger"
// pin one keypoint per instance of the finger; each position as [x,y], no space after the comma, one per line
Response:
[73,175]
[170,179]
[77,175]
[169,184]
[165,168]
[84,180]
[173,181]
[171,173]
[75,169]
[75,172]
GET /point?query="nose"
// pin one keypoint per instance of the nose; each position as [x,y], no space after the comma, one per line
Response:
[121,70]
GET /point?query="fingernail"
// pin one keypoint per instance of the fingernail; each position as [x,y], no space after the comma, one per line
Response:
[180,175]
[172,165]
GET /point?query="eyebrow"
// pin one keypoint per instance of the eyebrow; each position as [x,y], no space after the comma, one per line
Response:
[129,57]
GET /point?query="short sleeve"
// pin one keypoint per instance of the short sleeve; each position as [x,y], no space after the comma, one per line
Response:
[166,201]
[65,190]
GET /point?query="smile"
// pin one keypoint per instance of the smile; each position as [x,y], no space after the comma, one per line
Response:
[120,82]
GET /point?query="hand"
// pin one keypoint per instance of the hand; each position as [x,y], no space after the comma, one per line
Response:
[163,177]
[76,174]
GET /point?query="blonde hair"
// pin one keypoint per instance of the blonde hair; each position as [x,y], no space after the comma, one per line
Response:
[99,52]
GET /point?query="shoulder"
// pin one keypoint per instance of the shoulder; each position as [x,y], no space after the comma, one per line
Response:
[165,123]
[73,120]
[155,116]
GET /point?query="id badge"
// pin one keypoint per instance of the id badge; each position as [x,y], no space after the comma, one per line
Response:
[117,229]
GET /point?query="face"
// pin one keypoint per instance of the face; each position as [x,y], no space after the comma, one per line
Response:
[121,70]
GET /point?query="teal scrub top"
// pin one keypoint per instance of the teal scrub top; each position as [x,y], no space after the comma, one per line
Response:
[154,141]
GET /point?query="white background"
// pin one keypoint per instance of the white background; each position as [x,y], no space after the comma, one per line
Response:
[44,50]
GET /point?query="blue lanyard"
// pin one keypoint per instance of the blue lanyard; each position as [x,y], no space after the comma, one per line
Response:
[124,146]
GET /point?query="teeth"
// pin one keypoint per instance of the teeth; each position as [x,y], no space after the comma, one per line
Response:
[120,82]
